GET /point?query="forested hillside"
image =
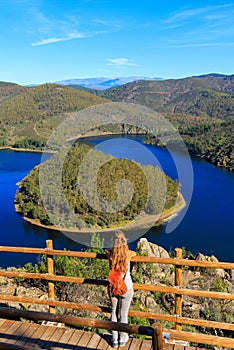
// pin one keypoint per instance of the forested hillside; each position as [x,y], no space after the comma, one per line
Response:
[152,201]
[29,115]
[8,90]
[197,106]
[210,141]
[209,96]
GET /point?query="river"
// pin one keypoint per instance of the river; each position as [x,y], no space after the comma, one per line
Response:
[207,226]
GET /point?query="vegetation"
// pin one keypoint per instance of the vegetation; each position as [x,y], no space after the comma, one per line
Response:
[210,141]
[205,103]
[8,90]
[195,96]
[213,143]
[33,112]
[30,144]
[75,267]
[108,177]
[196,106]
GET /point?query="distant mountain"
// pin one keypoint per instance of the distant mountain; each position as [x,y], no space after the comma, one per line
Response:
[103,83]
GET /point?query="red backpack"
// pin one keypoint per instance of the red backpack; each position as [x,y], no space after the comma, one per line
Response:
[117,285]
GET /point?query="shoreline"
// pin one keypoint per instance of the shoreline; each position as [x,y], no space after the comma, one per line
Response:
[24,150]
[87,135]
[142,221]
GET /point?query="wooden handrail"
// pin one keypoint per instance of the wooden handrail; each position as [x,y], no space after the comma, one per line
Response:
[148,287]
[177,290]
[201,338]
[107,310]
[155,331]
[140,259]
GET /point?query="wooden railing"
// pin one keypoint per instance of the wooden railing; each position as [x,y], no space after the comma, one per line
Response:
[177,290]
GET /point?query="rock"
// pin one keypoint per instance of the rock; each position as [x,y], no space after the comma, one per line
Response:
[196,307]
[151,249]
[154,250]
[220,273]
[212,258]
[232,275]
[150,303]
[9,286]
[201,257]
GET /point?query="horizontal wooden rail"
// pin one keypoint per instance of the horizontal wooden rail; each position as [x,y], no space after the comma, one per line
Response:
[185,291]
[56,303]
[47,251]
[107,310]
[155,331]
[201,338]
[141,259]
[148,287]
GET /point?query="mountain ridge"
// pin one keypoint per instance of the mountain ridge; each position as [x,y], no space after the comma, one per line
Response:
[103,83]
[207,96]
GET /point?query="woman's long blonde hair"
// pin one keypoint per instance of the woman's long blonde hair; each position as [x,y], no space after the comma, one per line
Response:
[118,254]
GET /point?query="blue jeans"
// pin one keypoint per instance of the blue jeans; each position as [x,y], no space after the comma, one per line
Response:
[124,302]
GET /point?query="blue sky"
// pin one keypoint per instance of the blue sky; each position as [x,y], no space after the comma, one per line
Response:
[51,40]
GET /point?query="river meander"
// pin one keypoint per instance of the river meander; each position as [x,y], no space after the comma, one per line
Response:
[207,226]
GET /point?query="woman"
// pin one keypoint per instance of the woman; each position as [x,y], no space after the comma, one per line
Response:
[119,257]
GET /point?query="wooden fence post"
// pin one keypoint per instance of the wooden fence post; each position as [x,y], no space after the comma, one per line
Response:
[157,336]
[178,283]
[50,270]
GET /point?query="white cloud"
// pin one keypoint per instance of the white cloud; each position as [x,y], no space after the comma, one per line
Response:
[120,62]
[209,10]
[71,36]
[199,45]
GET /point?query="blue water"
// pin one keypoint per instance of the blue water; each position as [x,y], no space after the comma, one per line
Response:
[207,226]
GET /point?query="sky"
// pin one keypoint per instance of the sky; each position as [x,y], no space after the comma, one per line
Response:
[51,40]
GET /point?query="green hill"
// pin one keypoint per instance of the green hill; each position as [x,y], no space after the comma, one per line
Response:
[195,96]
[213,143]
[219,82]
[197,106]
[32,113]
[210,141]
[8,90]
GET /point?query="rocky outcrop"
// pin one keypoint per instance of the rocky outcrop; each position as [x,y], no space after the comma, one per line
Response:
[11,287]
[219,272]
[151,249]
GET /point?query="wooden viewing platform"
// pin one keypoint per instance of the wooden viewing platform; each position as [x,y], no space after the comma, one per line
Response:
[12,331]
[24,336]
[57,338]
